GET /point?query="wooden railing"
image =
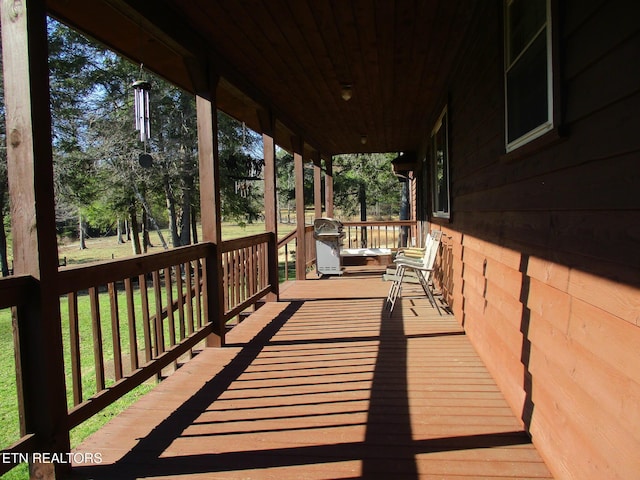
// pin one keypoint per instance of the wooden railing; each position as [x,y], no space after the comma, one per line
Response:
[246,271]
[14,293]
[125,321]
[156,308]
[288,244]
[310,246]
[391,234]
[284,253]
[387,234]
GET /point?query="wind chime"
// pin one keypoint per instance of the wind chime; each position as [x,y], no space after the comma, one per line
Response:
[141,90]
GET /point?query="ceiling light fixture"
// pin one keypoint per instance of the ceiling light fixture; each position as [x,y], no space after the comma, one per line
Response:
[346,91]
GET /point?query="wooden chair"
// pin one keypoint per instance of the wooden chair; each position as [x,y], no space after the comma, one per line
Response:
[421,266]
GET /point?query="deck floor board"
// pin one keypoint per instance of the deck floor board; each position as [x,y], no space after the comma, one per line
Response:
[324,385]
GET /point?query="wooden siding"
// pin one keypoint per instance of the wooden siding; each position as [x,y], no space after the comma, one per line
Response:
[541,258]
[330,387]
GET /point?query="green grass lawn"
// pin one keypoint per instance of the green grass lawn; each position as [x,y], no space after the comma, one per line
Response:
[8,395]
[106,248]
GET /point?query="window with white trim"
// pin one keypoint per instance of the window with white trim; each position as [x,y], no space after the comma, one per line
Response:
[440,167]
[528,71]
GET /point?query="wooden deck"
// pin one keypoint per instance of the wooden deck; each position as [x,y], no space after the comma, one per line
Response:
[324,385]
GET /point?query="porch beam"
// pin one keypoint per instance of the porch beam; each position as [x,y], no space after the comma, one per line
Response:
[328,187]
[267,125]
[301,255]
[40,363]
[209,169]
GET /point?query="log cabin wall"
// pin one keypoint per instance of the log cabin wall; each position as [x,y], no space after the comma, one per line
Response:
[541,255]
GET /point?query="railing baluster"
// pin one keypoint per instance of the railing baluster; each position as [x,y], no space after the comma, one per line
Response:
[253,280]
[115,331]
[146,321]
[245,274]
[248,264]
[239,279]
[180,294]
[158,323]
[198,288]
[225,280]
[131,320]
[98,355]
[168,286]
[232,278]
[189,298]
[16,325]
[74,344]
[264,258]
[241,276]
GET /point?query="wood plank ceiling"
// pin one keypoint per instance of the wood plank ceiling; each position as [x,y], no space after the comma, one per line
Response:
[295,56]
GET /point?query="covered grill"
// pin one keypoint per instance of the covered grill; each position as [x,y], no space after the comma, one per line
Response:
[328,234]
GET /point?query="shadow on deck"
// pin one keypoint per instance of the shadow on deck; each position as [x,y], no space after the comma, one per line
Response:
[324,385]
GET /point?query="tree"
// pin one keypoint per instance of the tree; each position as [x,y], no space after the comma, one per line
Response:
[76,76]
[100,175]
[285,185]
[364,180]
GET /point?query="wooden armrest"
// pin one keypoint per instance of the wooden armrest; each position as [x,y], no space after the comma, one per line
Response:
[412,252]
[409,262]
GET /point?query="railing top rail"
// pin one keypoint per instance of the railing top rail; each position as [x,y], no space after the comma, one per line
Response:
[243,242]
[390,223]
[287,238]
[292,234]
[80,277]
[14,290]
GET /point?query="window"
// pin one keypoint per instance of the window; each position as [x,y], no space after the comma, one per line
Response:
[440,164]
[528,75]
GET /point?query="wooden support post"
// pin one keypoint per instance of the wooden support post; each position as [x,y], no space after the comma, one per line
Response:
[413,202]
[301,256]
[35,252]
[317,185]
[270,197]
[328,187]
[209,167]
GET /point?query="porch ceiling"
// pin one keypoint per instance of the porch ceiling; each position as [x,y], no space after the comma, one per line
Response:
[294,56]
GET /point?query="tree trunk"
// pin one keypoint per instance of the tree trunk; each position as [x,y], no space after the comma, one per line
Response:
[185,225]
[133,231]
[145,232]
[81,234]
[194,226]
[119,230]
[185,221]
[147,210]
[171,209]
